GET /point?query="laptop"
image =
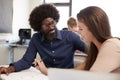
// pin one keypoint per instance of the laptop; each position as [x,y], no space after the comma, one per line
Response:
[70,74]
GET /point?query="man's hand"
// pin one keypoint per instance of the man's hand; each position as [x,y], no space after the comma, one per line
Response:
[7,70]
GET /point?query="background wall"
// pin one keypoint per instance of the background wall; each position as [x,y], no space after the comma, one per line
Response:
[21,11]
[6,16]
[111,7]
[4,53]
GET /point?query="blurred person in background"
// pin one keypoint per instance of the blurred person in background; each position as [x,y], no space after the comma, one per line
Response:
[104,50]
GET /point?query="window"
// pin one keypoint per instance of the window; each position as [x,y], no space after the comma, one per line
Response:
[110,7]
[6,16]
[64,7]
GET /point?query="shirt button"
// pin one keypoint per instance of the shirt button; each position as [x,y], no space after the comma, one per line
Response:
[53,51]
[54,60]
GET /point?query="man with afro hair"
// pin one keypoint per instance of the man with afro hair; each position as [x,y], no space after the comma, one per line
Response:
[55,46]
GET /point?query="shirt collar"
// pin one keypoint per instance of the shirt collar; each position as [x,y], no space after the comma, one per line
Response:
[59,36]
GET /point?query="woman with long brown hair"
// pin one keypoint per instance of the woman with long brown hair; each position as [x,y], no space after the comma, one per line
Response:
[104,50]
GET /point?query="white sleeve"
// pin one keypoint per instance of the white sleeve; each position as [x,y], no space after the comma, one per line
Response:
[108,58]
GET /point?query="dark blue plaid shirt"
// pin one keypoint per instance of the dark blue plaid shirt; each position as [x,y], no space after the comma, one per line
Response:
[58,53]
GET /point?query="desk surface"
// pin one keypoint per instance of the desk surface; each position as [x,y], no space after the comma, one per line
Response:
[29,74]
[18,45]
[69,74]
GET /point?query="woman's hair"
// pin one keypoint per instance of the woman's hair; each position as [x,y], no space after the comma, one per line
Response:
[97,22]
[41,12]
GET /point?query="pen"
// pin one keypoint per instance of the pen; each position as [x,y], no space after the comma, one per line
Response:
[40,61]
[43,59]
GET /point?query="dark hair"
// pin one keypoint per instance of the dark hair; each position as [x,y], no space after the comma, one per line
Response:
[41,12]
[97,22]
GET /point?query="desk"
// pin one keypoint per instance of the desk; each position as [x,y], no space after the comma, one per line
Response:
[11,51]
[70,74]
[29,74]
[79,58]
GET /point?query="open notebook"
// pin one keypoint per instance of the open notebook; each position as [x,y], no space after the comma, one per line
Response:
[28,74]
[67,74]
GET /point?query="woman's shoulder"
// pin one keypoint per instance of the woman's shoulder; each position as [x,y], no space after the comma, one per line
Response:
[112,43]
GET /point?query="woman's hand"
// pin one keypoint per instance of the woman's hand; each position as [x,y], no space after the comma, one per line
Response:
[81,66]
[40,66]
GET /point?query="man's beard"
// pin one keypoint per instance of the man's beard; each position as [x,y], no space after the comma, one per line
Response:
[51,36]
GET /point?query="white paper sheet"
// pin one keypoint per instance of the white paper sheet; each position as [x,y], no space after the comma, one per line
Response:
[29,74]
